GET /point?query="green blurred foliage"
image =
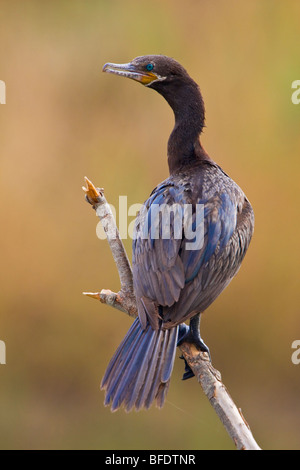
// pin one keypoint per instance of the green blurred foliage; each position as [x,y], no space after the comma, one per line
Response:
[64,120]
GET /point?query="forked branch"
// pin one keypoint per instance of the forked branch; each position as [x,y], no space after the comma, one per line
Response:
[208,377]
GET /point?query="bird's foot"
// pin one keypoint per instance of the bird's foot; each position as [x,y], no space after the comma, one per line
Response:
[189,335]
[188,373]
[182,333]
[192,336]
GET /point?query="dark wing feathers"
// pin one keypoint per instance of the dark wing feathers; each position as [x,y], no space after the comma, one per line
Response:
[157,267]
[170,274]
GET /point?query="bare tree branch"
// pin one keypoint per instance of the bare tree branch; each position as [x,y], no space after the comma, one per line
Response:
[124,300]
[208,377]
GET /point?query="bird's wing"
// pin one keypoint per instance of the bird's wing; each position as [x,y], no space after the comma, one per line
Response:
[158,271]
[166,263]
[228,231]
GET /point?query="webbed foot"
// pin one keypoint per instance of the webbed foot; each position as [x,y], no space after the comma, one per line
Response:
[191,335]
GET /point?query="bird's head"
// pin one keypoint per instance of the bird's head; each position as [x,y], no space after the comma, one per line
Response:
[150,70]
[171,80]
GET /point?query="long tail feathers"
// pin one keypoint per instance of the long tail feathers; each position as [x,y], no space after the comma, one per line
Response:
[140,369]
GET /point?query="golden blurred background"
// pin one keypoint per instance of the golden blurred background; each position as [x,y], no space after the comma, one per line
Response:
[63,119]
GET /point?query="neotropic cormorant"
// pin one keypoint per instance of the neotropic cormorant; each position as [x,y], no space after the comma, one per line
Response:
[177,274]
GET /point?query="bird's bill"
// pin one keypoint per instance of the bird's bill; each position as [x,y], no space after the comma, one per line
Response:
[131,71]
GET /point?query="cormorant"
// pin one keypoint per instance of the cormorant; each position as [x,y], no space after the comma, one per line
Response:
[180,264]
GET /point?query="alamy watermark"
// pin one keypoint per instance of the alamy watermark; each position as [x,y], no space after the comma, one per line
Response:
[2,92]
[296,94]
[2,352]
[296,354]
[160,221]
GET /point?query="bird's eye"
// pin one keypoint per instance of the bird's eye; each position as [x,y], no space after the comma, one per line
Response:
[149,67]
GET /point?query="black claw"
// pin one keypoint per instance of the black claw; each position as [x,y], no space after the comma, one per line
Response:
[192,335]
[188,373]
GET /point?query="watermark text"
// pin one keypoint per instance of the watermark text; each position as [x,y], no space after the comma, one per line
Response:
[2,352]
[2,92]
[159,221]
[296,354]
[296,94]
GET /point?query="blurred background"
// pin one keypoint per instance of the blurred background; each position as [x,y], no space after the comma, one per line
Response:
[64,119]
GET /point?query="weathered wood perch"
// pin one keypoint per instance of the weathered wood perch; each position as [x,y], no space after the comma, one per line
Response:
[208,377]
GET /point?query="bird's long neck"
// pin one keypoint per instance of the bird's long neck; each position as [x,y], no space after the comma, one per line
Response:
[184,146]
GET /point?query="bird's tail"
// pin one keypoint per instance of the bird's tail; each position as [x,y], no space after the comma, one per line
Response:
[140,369]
